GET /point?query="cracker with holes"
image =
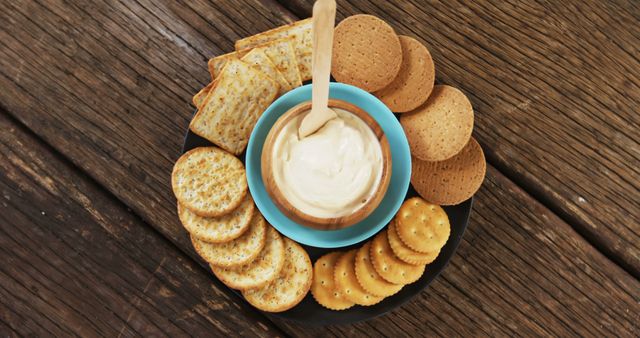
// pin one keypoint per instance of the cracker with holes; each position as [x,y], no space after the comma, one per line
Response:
[404,252]
[368,278]
[235,102]
[441,127]
[301,34]
[218,229]
[323,288]
[209,181]
[451,181]
[346,283]
[390,267]
[422,226]
[259,272]
[291,285]
[237,252]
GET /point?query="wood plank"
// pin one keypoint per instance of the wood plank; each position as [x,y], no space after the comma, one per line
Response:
[127,137]
[76,262]
[556,90]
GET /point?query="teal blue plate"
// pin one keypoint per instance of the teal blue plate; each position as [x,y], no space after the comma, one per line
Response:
[400,176]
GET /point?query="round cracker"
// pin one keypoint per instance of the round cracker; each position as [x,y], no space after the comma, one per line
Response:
[368,278]
[415,79]
[422,226]
[389,266]
[404,252]
[291,286]
[441,127]
[452,181]
[237,252]
[209,181]
[366,52]
[323,288]
[218,229]
[346,282]
[262,270]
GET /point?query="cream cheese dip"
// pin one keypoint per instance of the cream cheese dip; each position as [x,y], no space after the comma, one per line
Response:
[331,173]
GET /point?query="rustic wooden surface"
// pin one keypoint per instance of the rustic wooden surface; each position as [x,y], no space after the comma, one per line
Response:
[107,86]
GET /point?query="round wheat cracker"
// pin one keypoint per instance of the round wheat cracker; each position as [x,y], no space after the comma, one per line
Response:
[441,127]
[414,82]
[239,251]
[452,181]
[366,52]
[259,272]
[218,229]
[209,181]
[291,286]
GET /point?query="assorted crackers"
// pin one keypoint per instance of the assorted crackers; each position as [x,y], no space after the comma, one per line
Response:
[244,252]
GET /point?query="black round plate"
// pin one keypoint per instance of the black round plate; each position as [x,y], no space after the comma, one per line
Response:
[310,312]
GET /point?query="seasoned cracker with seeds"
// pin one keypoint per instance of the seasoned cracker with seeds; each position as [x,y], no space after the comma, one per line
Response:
[209,181]
[239,96]
[218,229]
[261,271]
[237,252]
[259,59]
[291,286]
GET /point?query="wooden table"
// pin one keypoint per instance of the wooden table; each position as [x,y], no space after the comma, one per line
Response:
[95,100]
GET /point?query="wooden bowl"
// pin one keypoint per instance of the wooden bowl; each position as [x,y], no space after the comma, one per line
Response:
[311,221]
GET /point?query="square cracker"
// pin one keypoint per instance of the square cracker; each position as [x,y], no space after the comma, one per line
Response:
[198,99]
[259,59]
[283,56]
[302,36]
[239,96]
[216,64]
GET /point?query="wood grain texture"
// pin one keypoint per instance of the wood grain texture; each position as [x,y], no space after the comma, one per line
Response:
[108,85]
[76,262]
[556,90]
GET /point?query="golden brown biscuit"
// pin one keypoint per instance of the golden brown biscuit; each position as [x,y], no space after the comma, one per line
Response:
[414,82]
[422,226]
[346,282]
[451,181]
[366,52]
[441,127]
[390,267]
[209,181]
[323,288]
[404,252]
[291,286]
[369,279]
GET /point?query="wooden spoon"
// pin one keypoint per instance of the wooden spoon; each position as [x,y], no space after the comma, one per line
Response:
[324,16]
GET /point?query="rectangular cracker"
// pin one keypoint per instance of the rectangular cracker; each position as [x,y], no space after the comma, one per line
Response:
[281,53]
[259,59]
[302,36]
[216,64]
[201,95]
[238,97]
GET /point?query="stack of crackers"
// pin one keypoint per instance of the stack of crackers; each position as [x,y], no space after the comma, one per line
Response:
[397,256]
[244,252]
[246,81]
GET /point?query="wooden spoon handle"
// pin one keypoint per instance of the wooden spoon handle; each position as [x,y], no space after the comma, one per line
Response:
[324,16]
